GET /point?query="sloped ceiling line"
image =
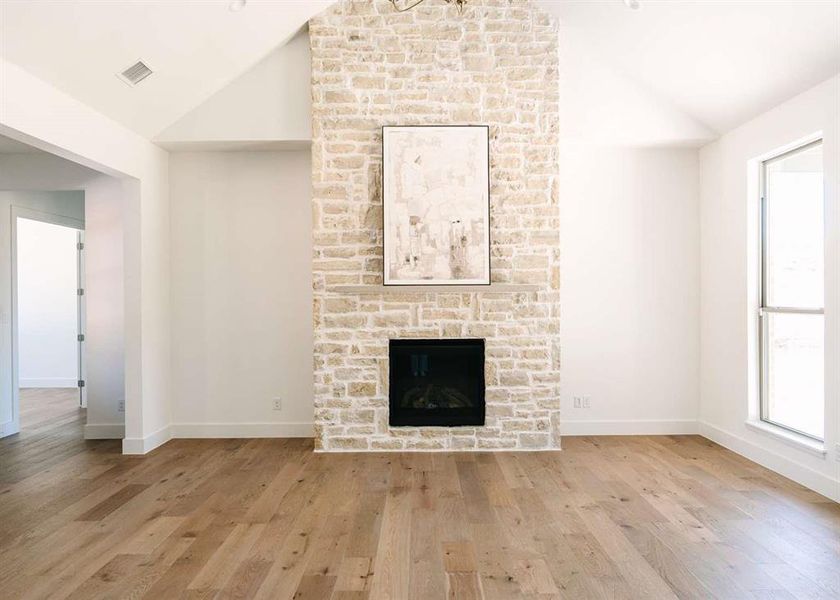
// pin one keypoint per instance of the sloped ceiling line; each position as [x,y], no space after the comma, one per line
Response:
[721,63]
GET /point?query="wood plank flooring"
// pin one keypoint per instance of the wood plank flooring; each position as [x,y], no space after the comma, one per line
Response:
[625,517]
[44,406]
[50,433]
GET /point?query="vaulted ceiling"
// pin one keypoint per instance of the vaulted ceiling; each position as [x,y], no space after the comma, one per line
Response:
[193,47]
[718,62]
[721,62]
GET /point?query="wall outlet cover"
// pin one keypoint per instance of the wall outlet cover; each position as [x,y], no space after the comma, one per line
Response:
[277,404]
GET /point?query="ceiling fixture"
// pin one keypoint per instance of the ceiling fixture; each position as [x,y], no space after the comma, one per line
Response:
[237,5]
[632,4]
[135,73]
[459,3]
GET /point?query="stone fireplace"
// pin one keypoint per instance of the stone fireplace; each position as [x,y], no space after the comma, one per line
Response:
[494,65]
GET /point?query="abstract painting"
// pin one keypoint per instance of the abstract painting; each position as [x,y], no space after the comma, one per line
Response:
[436,205]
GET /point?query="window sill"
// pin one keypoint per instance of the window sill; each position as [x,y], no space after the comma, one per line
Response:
[794,440]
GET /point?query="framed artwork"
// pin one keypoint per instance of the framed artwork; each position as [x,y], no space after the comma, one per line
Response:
[436,205]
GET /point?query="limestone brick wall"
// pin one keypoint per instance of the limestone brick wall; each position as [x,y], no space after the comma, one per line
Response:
[496,64]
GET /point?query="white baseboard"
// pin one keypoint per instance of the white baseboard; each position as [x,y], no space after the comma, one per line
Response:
[49,382]
[148,443]
[811,479]
[629,427]
[104,431]
[216,431]
[242,430]
[433,450]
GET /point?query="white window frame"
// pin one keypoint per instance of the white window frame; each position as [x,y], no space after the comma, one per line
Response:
[763,307]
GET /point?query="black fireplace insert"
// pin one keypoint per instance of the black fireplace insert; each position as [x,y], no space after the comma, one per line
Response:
[436,382]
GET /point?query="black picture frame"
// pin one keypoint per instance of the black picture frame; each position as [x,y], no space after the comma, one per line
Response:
[385,281]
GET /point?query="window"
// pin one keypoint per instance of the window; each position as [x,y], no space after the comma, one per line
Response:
[791,296]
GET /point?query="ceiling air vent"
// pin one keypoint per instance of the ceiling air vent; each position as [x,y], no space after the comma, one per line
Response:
[135,73]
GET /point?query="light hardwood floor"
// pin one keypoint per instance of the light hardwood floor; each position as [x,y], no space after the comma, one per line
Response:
[631,517]
[45,406]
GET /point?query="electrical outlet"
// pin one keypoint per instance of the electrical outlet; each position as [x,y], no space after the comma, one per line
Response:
[278,404]
[837,452]
[121,406]
[580,401]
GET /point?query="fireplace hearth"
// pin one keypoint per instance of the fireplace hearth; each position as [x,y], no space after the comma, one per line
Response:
[436,382]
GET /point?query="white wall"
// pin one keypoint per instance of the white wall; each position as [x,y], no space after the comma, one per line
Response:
[629,246]
[47,278]
[105,308]
[729,256]
[629,251]
[241,293]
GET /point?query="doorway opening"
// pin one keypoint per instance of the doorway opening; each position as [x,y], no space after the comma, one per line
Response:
[49,319]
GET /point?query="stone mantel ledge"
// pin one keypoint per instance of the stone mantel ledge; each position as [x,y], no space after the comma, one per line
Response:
[495,288]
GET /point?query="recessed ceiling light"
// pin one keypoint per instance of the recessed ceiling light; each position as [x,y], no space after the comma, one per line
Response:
[632,4]
[237,5]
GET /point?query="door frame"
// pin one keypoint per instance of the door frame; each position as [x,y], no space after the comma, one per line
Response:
[81,315]
[43,217]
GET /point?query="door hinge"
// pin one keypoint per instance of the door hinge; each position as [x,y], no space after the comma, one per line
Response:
[80,292]
[80,337]
[80,246]
[81,383]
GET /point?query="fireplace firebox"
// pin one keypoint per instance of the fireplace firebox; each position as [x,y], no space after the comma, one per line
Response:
[436,382]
